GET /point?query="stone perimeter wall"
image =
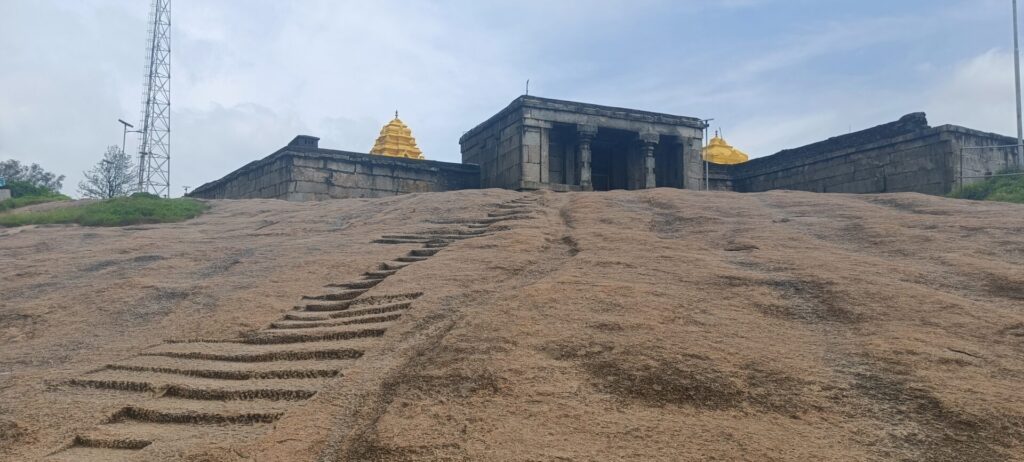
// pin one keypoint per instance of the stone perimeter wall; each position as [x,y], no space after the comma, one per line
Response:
[318,174]
[512,150]
[903,156]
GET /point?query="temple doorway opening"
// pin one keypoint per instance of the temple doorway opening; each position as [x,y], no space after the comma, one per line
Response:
[614,157]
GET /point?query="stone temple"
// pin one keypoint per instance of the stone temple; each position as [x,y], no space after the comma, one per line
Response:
[540,143]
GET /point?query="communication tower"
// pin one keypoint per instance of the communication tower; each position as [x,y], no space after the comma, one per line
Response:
[155,133]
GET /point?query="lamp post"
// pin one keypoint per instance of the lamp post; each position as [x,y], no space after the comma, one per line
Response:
[1016,72]
[124,135]
[704,160]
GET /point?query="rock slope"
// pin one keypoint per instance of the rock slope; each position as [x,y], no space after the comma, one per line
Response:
[495,325]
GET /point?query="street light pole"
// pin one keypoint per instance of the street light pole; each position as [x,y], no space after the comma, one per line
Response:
[704,162]
[1016,71]
[124,136]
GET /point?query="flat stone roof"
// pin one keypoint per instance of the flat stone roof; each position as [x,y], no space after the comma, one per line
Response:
[537,102]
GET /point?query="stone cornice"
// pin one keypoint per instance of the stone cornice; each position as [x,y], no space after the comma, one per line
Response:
[536,102]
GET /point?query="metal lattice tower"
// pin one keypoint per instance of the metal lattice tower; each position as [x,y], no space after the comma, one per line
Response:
[155,143]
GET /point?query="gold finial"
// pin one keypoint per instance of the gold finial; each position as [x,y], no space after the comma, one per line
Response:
[396,113]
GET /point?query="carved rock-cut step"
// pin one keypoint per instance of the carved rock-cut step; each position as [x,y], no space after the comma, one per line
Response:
[377,309]
[267,339]
[350,313]
[453,221]
[326,354]
[379,274]
[387,298]
[508,213]
[417,240]
[345,305]
[83,441]
[408,259]
[302,317]
[389,266]
[423,239]
[423,252]
[140,414]
[356,284]
[231,374]
[121,385]
[412,238]
[513,206]
[493,220]
[340,296]
[187,392]
[398,241]
[324,307]
[213,394]
[334,323]
[451,232]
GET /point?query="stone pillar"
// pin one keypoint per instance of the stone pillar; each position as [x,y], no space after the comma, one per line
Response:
[585,134]
[648,141]
[545,155]
[693,163]
[531,157]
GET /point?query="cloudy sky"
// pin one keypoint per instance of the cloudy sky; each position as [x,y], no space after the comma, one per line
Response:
[248,75]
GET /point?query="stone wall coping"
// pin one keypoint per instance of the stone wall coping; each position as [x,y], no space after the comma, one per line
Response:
[331,154]
[1003,139]
[526,101]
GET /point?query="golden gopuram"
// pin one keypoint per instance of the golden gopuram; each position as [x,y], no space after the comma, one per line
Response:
[396,140]
[720,152]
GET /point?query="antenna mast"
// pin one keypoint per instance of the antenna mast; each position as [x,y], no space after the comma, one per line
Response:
[155,145]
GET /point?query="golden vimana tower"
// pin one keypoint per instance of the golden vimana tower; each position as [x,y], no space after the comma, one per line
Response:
[396,140]
[718,151]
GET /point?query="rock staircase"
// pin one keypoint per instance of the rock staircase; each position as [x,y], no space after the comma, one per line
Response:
[232,390]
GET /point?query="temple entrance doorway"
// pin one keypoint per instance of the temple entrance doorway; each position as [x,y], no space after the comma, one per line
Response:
[613,155]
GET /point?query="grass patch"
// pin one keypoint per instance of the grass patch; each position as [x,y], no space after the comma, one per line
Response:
[25,201]
[121,211]
[1001,189]
[24,194]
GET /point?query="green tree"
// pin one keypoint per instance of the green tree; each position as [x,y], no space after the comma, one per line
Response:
[12,170]
[111,177]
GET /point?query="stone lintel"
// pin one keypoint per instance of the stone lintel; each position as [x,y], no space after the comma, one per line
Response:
[649,138]
[587,132]
[536,123]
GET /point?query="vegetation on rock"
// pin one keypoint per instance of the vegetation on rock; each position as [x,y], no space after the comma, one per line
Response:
[24,193]
[1000,188]
[120,211]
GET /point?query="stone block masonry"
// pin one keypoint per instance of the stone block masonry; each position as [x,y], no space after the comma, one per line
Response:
[902,156]
[541,143]
[302,171]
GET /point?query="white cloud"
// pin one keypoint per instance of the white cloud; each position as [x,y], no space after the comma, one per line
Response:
[978,93]
[248,76]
